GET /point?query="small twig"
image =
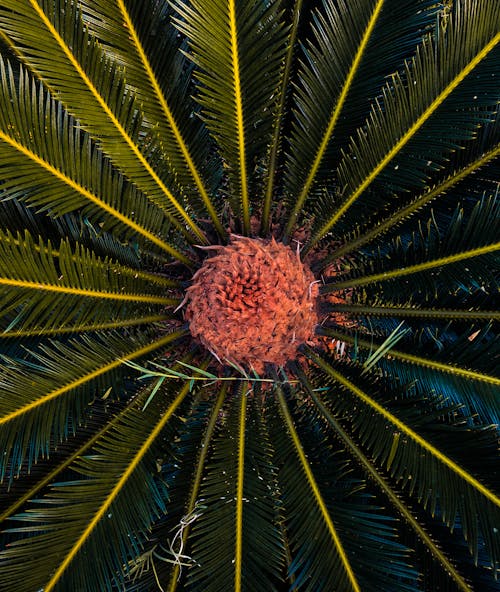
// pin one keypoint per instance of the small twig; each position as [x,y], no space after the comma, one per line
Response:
[179,558]
[184,300]
[311,285]
[299,247]
[209,247]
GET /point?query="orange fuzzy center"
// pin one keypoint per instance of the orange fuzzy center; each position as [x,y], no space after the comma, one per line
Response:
[253,302]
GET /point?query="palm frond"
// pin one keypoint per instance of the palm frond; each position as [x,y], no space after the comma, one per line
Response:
[81,327]
[319,532]
[417,268]
[18,217]
[466,237]
[476,502]
[478,390]
[236,96]
[414,311]
[474,174]
[95,507]
[343,32]
[108,111]
[39,290]
[57,383]
[179,484]
[115,267]
[253,525]
[345,575]
[224,499]
[281,112]
[39,141]
[410,209]
[45,475]
[387,489]
[130,36]
[420,102]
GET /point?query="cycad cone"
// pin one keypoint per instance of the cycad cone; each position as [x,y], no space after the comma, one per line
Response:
[253,302]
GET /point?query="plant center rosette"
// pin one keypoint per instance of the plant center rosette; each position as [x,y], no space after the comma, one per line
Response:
[254,302]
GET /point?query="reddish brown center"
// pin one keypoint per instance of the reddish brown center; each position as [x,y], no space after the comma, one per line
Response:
[254,302]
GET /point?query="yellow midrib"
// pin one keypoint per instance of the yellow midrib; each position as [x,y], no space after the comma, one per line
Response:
[394,353]
[334,116]
[418,203]
[104,106]
[446,367]
[239,495]
[83,328]
[278,122]
[93,198]
[413,435]
[405,139]
[317,494]
[116,489]
[442,261]
[170,117]
[240,123]
[90,376]
[404,311]
[67,461]
[400,507]
[88,293]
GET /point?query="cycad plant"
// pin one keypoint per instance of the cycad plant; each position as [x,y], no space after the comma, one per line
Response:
[247,278]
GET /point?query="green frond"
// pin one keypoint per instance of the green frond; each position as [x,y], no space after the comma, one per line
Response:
[424,100]
[479,390]
[130,36]
[98,97]
[163,557]
[323,504]
[240,454]
[406,211]
[236,89]
[385,53]
[345,575]
[19,217]
[39,141]
[57,382]
[220,497]
[276,141]
[114,267]
[343,32]
[387,490]
[48,477]
[96,507]
[414,311]
[82,327]
[201,451]
[472,236]
[417,268]
[448,484]
[40,291]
